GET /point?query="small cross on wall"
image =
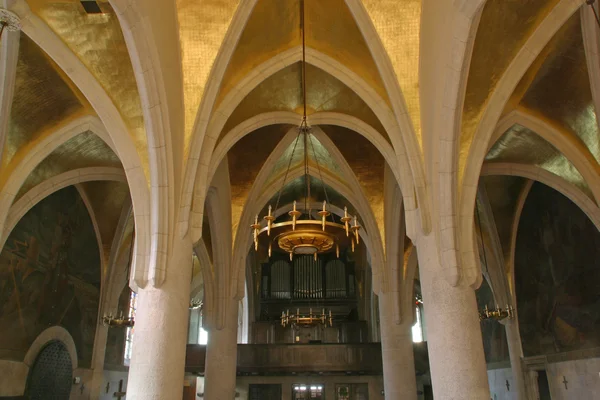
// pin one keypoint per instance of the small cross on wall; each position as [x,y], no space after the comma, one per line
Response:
[507,385]
[565,381]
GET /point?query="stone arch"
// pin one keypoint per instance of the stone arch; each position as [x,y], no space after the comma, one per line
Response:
[54,184]
[204,146]
[549,179]
[49,42]
[54,333]
[478,148]
[579,155]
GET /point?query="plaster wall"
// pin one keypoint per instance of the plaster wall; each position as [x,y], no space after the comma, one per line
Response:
[498,390]
[112,378]
[583,377]
[13,377]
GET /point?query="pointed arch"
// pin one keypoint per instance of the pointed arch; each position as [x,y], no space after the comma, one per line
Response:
[575,151]
[48,41]
[204,146]
[478,148]
[549,179]
[38,153]
[54,184]
[406,132]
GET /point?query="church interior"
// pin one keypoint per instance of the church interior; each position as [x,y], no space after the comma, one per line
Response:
[299,199]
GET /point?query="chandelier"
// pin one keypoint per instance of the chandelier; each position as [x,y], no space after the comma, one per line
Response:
[495,314]
[303,234]
[310,319]
[117,322]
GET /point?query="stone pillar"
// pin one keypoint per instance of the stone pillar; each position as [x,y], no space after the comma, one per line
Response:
[161,328]
[399,378]
[221,355]
[456,358]
[515,350]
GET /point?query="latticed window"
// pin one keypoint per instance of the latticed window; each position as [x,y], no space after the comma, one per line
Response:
[130,330]
[417,328]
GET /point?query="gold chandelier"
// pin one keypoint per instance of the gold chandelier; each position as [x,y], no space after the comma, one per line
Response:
[303,235]
[307,320]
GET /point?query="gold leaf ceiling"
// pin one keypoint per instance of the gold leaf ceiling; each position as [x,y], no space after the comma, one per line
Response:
[398,24]
[98,42]
[44,98]
[283,92]
[82,151]
[318,157]
[274,27]
[245,160]
[560,92]
[202,28]
[521,145]
[504,28]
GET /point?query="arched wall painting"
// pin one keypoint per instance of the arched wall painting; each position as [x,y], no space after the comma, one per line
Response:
[557,267]
[50,275]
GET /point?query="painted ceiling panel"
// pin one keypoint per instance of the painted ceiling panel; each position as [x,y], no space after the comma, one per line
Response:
[283,92]
[503,29]
[318,157]
[98,42]
[44,98]
[81,151]
[274,27]
[521,145]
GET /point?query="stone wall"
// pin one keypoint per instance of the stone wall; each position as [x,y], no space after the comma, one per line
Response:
[13,378]
[582,376]
[498,388]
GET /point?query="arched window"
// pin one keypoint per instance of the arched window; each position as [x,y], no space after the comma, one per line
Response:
[130,330]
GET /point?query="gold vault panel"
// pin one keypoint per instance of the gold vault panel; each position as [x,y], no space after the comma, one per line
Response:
[398,24]
[274,27]
[283,92]
[560,91]
[521,145]
[81,151]
[202,28]
[504,27]
[98,42]
[44,98]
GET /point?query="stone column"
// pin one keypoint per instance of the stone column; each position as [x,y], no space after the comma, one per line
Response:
[515,351]
[161,328]
[399,378]
[456,358]
[221,354]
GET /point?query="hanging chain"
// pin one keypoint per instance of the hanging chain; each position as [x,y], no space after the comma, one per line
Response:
[287,171]
[320,174]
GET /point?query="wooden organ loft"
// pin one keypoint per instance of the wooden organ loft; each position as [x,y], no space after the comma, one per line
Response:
[327,283]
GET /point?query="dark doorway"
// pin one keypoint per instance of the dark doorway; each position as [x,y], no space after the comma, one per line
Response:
[51,375]
[543,386]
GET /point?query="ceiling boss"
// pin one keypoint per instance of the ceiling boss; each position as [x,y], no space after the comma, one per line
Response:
[305,234]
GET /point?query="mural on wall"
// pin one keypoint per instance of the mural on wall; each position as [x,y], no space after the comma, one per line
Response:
[493,333]
[50,275]
[557,273]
